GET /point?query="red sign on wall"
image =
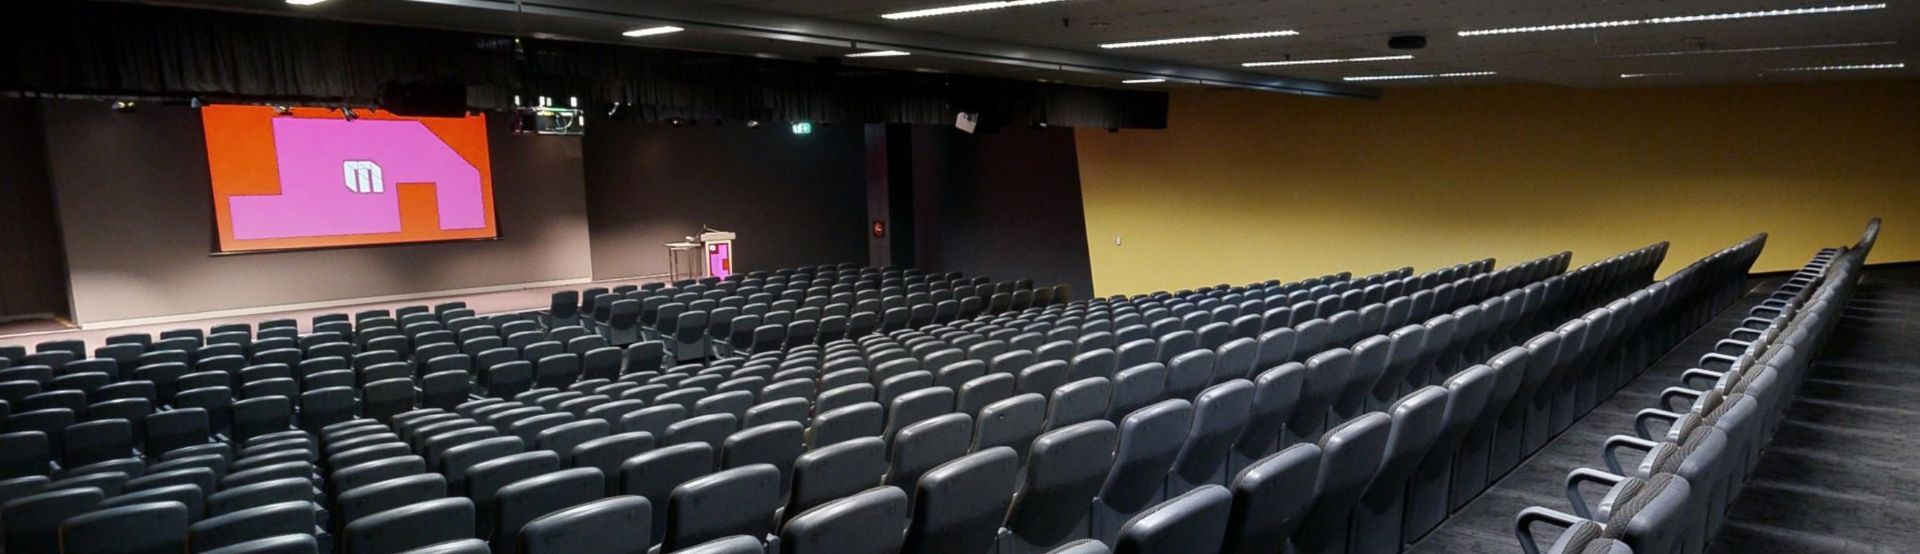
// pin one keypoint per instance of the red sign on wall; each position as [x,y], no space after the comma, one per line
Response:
[879,229]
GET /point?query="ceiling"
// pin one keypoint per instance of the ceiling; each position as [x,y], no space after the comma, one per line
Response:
[1733,51]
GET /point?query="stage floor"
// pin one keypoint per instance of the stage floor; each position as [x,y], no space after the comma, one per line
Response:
[29,332]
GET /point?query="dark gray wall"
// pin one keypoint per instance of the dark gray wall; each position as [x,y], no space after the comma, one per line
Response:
[138,224]
[794,199]
[1004,204]
[33,278]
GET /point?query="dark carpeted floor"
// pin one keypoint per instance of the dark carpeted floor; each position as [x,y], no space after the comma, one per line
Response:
[1843,471]
[1486,524]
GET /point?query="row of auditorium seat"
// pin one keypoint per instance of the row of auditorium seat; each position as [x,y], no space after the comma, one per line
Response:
[1301,340]
[742,315]
[1717,420]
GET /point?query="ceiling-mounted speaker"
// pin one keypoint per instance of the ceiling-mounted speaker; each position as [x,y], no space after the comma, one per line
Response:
[424,99]
[1407,42]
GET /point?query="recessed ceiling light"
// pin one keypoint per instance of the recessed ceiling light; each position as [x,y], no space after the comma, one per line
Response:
[1328,60]
[304,2]
[1854,67]
[1419,76]
[1192,40]
[1671,20]
[652,31]
[965,8]
[1143,81]
[1759,49]
[879,54]
[1646,75]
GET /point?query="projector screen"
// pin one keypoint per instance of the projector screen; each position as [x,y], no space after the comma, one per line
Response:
[313,179]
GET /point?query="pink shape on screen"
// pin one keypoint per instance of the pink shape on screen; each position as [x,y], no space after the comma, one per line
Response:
[314,201]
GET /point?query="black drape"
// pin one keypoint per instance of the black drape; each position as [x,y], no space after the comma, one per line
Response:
[133,50]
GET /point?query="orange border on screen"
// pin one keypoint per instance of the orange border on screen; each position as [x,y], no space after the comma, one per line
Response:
[242,162]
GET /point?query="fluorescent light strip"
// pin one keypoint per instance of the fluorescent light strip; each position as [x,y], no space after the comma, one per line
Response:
[965,8]
[1419,76]
[1143,81]
[879,54]
[652,31]
[1671,20]
[1759,49]
[1646,75]
[304,2]
[1327,61]
[1193,40]
[1840,67]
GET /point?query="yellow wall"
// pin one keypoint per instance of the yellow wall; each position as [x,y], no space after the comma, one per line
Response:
[1248,186]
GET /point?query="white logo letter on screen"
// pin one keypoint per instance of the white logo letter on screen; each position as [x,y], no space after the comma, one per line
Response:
[363,177]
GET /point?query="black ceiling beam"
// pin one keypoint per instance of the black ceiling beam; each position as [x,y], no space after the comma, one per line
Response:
[768,25]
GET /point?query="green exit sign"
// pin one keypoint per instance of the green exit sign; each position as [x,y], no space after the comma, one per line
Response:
[803,128]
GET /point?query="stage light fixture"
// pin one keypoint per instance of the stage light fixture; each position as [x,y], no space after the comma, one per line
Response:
[676,122]
[347,112]
[652,31]
[124,106]
[1854,67]
[1671,20]
[282,109]
[1328,60]
[964,8]
[1193,40]
[753,124]
[1758,49]
[1419,76]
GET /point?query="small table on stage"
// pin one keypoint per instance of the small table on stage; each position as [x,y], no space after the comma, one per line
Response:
[683,260]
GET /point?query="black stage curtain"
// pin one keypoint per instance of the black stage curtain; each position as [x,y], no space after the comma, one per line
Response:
[109,49]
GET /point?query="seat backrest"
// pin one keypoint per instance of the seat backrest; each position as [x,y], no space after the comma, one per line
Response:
[1220,416]
[865,419]
[655,474]
[924,445]
[1192,522]
[1149,439]
[709,429]
[1326,375]
[1369,364]
[777,444]
[385,495]
[1078,401]
[586,528]
[1190,372]
[1351,455]
[1268,504]
[917,406]
[1063,473]
[411,526]
[739,501]
[607,453]
[485,479]
[525,500]
[148,527]
[959,506]
[256,523]
[870,522]
[1012,423]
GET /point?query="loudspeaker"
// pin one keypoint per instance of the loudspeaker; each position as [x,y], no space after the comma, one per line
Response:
[428,99]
